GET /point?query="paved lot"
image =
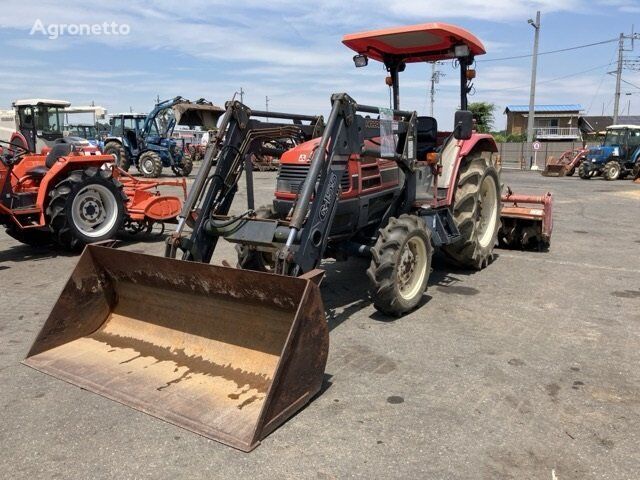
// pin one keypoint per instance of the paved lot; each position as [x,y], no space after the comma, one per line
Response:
[528,369]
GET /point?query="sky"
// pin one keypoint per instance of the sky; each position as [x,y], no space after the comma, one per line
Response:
[291,52]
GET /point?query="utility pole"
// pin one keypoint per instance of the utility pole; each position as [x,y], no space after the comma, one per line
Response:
[435,79]
[534,67]
[616,102]
[266,105]
[241,95]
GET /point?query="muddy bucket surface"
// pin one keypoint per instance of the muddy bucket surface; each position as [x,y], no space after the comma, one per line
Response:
[226,353]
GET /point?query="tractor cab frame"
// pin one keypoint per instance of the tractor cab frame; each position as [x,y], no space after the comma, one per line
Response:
[38,123]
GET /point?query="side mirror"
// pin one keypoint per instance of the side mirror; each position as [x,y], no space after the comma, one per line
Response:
[463,125]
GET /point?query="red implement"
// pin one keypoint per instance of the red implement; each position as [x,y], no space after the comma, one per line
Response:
[527,221]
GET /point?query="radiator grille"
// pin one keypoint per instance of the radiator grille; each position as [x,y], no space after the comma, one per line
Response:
[291,177]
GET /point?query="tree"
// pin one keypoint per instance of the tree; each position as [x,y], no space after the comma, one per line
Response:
[483,115]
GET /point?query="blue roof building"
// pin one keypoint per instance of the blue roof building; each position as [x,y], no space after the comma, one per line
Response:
[551,123]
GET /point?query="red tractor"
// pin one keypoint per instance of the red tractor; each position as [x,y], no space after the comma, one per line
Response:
[68,197]
[232,353]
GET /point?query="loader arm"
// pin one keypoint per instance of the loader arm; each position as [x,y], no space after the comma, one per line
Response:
[240,135]
[344,136]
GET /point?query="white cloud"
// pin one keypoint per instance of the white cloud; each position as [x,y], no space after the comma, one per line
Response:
[288,50]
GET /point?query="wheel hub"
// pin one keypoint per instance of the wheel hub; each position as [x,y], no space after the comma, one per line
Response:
[91,210]
[487,210]
[412,267]
[94,210]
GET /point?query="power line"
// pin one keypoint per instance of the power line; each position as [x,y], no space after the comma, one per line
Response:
[604,75]
[559,78]
[549,52]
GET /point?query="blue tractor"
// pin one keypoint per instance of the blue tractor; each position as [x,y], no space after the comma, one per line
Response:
[617,157]
[145,140]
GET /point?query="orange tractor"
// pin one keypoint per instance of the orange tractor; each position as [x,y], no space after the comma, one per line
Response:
[71,197]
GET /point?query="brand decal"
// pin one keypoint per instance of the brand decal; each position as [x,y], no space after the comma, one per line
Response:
[328,196]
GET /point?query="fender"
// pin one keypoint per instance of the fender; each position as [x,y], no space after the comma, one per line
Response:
[114,139]
[66,164]
[483,141]
[18,136]
[455,151]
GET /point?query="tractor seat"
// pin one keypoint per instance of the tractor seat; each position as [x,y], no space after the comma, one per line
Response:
[58,151]
[427,136]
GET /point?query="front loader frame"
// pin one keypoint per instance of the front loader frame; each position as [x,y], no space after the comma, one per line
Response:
[301,242]
[239,136]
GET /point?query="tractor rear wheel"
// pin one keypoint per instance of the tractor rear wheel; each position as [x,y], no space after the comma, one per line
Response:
[611,170]
[185,167]
[251,259]
[476,212]
[400,265]
[88,206]
[117,149]
[150,164]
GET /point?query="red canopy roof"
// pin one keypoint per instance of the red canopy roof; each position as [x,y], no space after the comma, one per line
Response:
[427,42]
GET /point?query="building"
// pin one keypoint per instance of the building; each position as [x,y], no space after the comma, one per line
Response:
[552,122]
[596,124]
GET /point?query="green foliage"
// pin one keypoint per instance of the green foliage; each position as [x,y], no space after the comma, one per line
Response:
[502,137]
[483,114]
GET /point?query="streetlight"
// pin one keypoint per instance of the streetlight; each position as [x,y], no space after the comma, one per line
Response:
[534,66]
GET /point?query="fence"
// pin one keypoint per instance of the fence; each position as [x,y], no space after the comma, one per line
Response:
[521,155]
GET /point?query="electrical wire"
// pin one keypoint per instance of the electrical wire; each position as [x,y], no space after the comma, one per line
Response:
[558,78]
[604,75]
[549,52]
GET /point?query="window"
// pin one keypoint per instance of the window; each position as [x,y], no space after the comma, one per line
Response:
[26,117]
[47,119]
[614,138]
[634,138]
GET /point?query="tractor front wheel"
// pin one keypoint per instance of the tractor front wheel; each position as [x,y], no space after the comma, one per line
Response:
[86,207]
[400,265]
[476,212]
[118,151]
[184,168]
[150,164]
[611,170]
[583,171]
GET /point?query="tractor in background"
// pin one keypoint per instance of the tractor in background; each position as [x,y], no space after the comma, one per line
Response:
[617,157]
[566,164]
[33,124]
[145,142]
[84,131]
[64,196]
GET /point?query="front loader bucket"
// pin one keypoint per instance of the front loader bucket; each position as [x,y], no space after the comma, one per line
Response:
[526,221]
[554,170]
[226,353]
